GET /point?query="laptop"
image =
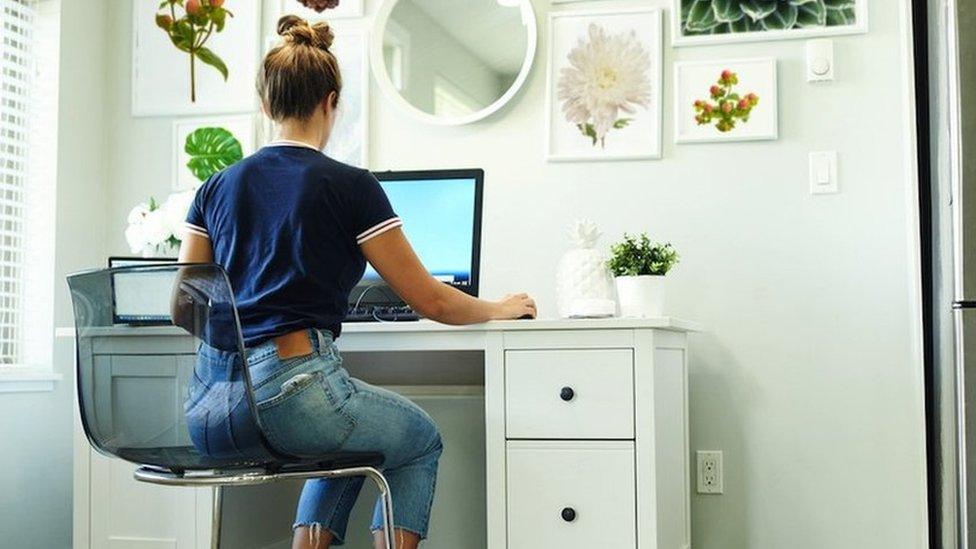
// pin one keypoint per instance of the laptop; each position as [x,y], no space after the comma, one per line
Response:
[142,298]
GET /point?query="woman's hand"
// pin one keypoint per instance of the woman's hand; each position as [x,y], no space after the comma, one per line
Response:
[514,306]
[395,260]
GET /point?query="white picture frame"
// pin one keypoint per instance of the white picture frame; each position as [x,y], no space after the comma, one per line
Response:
[692,80]
[345,10]
[161,73]
[349,142]
[643,138]
[679,38]
[242,126]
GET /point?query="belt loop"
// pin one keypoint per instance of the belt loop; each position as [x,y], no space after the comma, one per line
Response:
[315,339]
[325,342]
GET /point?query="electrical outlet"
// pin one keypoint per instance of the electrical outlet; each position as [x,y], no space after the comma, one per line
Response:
[710,472]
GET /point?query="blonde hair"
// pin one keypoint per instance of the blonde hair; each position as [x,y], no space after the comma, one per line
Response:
[298,74]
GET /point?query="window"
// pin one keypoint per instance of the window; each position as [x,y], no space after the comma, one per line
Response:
[396,53]
[29,45]
[17,48]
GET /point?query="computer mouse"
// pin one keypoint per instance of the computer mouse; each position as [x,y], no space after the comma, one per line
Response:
[526,317]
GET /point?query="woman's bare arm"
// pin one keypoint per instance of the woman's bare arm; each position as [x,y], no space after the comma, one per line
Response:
[394,259]
[196,249]
[193,249]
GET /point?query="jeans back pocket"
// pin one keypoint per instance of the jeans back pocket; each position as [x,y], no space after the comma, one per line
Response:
[305,419]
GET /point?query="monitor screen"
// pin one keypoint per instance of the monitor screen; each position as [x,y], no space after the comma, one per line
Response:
[142,297]
[441,219]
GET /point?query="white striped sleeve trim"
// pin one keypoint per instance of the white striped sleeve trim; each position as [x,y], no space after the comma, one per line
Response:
[378,229]
[191,228]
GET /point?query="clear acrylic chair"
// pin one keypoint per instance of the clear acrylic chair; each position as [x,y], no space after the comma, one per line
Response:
[143,425]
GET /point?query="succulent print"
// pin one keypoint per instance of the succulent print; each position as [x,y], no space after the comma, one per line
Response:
[736,16]
[725,107]
[607,77]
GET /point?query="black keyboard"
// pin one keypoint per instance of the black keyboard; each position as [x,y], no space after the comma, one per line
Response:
[381,313]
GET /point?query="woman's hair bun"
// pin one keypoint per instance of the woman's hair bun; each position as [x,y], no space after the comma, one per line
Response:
[298,31]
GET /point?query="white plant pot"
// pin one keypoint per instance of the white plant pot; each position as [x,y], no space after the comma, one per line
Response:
[640,296]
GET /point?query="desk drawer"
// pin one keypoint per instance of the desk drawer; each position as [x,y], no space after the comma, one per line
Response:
[570,394]
[571,494]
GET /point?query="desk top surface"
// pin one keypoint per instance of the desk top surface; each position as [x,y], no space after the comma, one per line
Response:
[661,323]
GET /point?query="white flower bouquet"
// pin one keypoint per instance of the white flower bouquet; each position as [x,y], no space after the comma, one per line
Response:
[157,229]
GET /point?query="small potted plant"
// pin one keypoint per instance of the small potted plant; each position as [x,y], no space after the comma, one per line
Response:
[638,267]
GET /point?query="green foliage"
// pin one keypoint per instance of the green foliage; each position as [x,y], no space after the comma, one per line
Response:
[210,58]
[735,16]
[590,131]
[726,107]
[635,256]
[190,32]
[211,150]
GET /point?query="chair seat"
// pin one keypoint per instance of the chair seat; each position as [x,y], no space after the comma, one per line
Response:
[178,459]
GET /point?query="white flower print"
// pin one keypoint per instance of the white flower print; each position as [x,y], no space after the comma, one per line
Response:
[607,78]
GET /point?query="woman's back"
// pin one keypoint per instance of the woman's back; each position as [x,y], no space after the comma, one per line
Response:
[287,223]
[293,230]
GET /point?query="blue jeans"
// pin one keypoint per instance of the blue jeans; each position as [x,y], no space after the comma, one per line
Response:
[309,406]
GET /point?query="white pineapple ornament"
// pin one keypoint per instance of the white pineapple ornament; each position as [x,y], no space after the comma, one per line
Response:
[584,287]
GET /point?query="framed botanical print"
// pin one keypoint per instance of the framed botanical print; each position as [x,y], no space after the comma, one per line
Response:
[696,22]
[731,100]
[604,95]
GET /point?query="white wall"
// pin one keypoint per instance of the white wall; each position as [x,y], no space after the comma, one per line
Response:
[83,152]
[36,428]
[808,374]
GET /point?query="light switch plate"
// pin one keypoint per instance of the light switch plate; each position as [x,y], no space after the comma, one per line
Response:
[820,60]
[823,172]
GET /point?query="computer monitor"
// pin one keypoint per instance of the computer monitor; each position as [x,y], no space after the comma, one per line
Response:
[441,213]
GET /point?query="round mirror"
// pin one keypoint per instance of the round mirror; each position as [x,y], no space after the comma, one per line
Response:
[453,61]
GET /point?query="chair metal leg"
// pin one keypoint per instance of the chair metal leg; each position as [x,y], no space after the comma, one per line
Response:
[248,478]
[215,525]
[387,507]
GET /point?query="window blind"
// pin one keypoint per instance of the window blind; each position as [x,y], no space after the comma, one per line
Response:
[17,66]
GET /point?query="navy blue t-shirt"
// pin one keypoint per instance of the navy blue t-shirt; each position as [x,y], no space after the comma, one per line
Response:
[286,224]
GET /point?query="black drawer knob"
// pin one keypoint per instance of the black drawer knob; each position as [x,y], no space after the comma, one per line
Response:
[567,393]
[568,514]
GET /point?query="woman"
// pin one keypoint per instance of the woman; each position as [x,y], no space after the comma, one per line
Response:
[293,229]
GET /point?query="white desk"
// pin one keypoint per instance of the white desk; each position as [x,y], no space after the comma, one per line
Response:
[614,449]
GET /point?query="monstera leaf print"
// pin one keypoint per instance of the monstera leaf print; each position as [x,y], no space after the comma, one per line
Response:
[211,150]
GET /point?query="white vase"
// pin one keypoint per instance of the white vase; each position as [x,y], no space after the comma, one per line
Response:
[640,296]
[583,286]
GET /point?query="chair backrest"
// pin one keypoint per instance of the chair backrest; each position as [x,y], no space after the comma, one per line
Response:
[150,394]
